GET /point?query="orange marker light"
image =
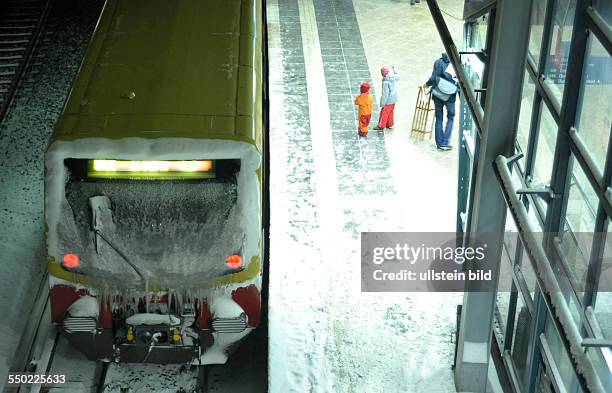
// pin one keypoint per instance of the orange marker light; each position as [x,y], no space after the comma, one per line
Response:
[71,260]
[234,261]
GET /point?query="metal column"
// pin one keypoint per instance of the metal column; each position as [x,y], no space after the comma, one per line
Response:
[506,68]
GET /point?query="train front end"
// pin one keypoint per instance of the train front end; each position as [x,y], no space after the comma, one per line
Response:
[154,247]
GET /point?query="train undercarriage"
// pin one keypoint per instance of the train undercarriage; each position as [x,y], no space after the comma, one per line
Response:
[163,328]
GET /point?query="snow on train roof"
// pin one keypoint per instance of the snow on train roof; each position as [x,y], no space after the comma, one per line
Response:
[153,149]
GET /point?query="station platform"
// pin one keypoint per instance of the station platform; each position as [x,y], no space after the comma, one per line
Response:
[325,334]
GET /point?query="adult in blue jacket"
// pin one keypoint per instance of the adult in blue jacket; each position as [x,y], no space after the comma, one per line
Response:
[443,134]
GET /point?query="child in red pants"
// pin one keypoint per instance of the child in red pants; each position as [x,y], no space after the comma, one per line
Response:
[364,101]
[388,97]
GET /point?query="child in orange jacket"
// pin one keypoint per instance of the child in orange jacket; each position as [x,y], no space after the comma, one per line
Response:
[364,101]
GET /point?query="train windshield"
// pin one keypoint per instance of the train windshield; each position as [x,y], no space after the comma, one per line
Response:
[176,227]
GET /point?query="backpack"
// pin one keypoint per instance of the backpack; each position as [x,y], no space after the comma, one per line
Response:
[444,89]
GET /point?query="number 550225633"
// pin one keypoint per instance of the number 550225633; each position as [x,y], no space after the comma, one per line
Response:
[35,379]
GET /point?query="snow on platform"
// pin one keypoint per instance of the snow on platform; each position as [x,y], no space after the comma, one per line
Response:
[328,186]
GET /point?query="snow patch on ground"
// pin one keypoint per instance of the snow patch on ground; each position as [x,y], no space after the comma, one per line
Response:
[218,353]
[146,378]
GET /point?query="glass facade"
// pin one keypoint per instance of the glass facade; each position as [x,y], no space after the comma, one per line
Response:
[595,106]
[559,42]
[538,15]
[476,38]
[524,123]
[603,302]
[563,133]
[520,339]
[544,148]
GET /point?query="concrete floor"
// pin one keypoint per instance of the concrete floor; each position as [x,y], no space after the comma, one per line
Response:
[394,32]
[328,186]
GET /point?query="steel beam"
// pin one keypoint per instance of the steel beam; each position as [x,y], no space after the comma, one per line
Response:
[473,9]
[600,27]
[551,303]
[544,90]
[506,70]
[562,166]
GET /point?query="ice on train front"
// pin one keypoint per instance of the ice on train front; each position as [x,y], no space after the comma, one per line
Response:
[154,261]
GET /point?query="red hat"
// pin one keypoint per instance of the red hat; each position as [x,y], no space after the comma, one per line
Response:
[384,70]
[365,87]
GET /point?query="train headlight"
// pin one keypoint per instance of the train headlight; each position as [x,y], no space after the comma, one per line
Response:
[130,335]
[234,261]
[71,260]
[169,169]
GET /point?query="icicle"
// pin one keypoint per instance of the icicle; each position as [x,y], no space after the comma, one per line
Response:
[146,295]
[172,306]
[105,319]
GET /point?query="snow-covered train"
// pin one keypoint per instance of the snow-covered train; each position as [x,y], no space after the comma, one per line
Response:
[155,193]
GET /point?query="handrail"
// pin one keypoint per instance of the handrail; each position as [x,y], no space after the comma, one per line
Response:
[600,26]
[551,292]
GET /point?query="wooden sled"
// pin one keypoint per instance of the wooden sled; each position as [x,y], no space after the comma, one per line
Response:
[420,120]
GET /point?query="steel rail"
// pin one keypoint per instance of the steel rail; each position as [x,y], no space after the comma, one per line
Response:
[27,56]
[32,340]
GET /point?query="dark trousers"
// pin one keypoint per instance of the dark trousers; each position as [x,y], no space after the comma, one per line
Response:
[443,134]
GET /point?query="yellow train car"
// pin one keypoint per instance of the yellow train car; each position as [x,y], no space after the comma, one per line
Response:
[154,184]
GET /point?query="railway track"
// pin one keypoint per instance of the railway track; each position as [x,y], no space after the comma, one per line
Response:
[25,39]
[51,354]
[21,23]
[45,351]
